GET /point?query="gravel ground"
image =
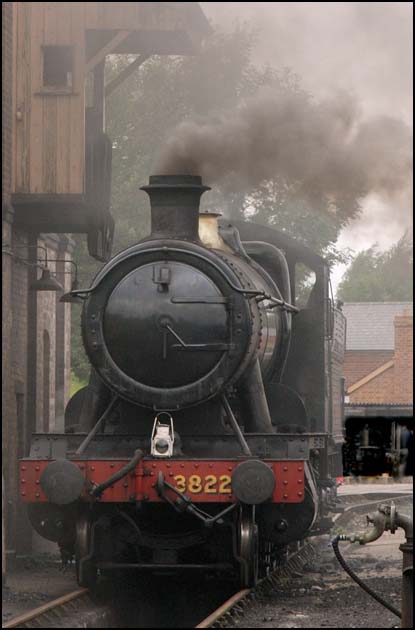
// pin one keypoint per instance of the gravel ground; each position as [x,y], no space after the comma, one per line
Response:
[323,597]
[326,597]
[33,581]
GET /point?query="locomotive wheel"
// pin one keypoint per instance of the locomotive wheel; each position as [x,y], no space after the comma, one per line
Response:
[86,572]
[248,548]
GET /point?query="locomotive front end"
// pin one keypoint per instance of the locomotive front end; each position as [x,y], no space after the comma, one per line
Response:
[173,458]
[169,323]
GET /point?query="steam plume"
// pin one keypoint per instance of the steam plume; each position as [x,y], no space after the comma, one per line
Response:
[326,148]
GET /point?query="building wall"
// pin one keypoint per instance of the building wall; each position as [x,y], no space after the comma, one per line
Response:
[7,52]
[378,390]
[395,384]
[25,317]
[404,359]
[9,290]
[359,363]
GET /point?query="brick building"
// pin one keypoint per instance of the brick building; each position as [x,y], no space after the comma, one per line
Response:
[56,170]
[379,354]
[378,369]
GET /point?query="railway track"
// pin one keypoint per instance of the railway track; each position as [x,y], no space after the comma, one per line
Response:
[74,610]
[80,609]
[51,610]
[232,611]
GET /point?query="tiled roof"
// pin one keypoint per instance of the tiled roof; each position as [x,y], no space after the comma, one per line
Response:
[370,324]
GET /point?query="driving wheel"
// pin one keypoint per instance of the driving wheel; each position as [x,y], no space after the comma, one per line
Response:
[248,549]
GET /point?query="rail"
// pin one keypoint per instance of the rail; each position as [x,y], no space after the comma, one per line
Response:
[43,612]
[233,609]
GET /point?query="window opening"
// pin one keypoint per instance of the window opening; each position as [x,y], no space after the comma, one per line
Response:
[57,66]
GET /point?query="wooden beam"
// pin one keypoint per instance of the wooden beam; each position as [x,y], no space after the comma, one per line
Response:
[370,377]
[120,78]
[106,50]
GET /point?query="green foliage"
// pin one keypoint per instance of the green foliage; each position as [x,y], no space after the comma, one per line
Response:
[377,276]
[79,361]
[141,113]
[76,384]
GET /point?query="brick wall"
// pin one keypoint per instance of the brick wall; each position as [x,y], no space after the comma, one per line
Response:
[395,384]
[359,363]
[404,359]
[378,390]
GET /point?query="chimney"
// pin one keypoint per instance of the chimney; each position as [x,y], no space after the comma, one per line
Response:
[404,357]
[174,201]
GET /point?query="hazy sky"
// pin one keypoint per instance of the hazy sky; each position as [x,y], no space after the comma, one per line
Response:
[363,47]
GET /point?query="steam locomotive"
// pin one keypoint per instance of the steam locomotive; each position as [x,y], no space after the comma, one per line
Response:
[209,435]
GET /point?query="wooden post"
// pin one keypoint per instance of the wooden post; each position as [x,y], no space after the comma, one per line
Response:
[3,533]
[108,49]
[120,78]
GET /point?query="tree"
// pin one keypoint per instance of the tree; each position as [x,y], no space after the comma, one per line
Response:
[377,276]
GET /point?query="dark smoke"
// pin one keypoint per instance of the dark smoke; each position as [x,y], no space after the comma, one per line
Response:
[326,148]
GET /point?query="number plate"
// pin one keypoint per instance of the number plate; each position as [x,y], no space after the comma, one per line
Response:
[209,484]
[200,481]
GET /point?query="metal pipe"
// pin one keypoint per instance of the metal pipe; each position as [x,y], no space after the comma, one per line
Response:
[274,262]
[258,419]
[95,398]
[235,426]
[81,448]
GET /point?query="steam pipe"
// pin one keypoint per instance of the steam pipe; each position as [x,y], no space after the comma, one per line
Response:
[258,418]
[235,426]
[273,261]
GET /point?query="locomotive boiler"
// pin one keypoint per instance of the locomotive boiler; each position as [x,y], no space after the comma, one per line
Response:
[206,437]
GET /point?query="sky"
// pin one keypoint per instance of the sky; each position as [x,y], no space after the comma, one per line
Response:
[365,48]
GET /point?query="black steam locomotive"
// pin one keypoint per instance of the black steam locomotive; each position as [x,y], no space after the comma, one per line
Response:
[208,437]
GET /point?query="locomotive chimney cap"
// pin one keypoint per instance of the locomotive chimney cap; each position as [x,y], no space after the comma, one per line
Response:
[175,181]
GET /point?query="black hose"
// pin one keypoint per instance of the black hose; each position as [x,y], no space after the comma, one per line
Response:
[365,587]
[118,475]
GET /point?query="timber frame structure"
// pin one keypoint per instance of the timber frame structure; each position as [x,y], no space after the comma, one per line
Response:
[56,173]
[62,156]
